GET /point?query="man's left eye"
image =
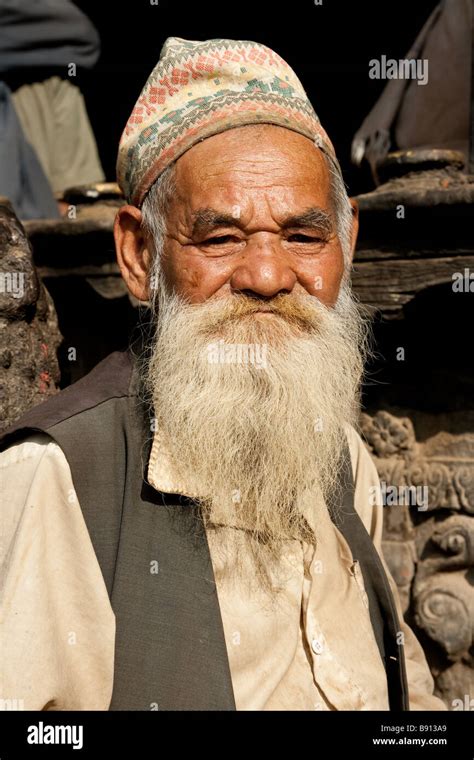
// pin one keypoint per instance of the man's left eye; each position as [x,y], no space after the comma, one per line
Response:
[300,238]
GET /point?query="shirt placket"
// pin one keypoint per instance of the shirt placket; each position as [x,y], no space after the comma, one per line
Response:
[330,676]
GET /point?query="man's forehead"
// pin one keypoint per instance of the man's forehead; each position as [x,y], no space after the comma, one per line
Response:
[293,196]
[276,151]
[240,205]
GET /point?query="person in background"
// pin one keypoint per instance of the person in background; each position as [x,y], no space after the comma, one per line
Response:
[43,47]
[435,115]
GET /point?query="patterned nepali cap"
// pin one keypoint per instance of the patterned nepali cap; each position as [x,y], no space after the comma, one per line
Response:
[200,88]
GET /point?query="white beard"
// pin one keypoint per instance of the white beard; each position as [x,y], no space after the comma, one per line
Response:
[254,437]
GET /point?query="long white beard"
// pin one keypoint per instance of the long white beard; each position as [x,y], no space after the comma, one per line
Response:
[255,429]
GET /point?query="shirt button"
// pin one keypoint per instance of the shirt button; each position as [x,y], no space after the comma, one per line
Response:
[316,646]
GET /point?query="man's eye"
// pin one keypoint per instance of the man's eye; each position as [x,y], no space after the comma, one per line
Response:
[300,238]
[218,240]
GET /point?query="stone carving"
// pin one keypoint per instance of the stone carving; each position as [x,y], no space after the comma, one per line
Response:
[29,333]
[429,544]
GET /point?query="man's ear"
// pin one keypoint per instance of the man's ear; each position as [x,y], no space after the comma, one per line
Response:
[133,256]
[355,226]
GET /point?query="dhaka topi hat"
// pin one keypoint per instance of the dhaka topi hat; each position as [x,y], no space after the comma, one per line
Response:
[200,88]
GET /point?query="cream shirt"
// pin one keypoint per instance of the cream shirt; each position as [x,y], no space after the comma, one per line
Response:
[311,648]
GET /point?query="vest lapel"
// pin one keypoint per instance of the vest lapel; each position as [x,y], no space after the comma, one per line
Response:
[170,646]
[383,613]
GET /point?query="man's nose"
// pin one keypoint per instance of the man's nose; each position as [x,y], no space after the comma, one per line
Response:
[264,272]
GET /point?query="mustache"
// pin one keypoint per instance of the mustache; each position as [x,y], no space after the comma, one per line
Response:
[301,311]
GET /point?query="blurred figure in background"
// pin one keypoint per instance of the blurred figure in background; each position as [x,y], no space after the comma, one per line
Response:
[436,115]
[43,46]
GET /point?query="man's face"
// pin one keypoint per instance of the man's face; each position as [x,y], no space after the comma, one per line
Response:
[252,214]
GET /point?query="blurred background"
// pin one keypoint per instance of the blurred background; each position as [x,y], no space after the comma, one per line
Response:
[328,46]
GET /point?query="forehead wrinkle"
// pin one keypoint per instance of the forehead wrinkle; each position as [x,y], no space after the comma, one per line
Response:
[274,168]
[262,175]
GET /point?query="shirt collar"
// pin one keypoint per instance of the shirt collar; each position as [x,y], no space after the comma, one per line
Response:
[163,474]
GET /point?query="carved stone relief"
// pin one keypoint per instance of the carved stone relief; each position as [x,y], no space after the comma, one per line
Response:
[428,497]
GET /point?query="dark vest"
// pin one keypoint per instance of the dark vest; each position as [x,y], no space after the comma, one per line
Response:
[170,650]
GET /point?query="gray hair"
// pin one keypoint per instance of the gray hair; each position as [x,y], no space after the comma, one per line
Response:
[156,205]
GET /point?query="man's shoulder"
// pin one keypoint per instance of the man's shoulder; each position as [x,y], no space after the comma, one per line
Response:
[110,379]
[30,452]
[360,455]
[366,481]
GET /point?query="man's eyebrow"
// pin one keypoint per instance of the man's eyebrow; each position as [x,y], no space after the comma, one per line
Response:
[313,217]
[207,218]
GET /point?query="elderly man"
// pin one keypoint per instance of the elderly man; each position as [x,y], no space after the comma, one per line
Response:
[190,526]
